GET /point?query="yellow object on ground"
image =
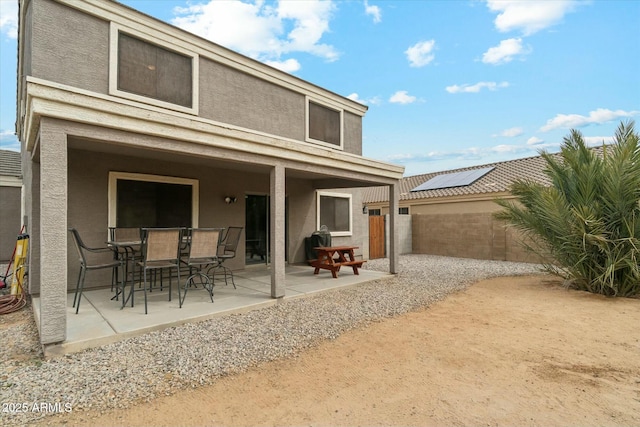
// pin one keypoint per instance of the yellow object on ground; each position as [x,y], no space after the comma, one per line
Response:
[19,264]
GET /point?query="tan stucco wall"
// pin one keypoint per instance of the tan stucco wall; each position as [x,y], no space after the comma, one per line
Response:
[467,235]
[229,96]
[84,60]
[226,94]
[88,203]
[10,220]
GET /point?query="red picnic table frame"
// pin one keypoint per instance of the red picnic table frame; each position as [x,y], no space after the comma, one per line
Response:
[327,259]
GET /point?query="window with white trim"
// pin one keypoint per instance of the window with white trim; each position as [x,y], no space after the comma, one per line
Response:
[141,200]
[152,72]
[335,211]
[324,124]
[403,211]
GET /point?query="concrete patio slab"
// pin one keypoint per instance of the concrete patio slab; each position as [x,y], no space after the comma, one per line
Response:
[101,320]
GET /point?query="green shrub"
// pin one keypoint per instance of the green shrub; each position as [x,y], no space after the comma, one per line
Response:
[587,223]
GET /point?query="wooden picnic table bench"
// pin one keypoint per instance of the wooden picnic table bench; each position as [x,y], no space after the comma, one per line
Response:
[333,257]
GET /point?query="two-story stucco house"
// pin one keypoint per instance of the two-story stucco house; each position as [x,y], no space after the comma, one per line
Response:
[126,120]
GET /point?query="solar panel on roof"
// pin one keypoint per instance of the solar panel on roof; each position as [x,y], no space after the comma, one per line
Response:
[457,179]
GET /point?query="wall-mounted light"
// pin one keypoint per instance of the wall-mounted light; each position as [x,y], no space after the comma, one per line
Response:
[230,199]
[365,209]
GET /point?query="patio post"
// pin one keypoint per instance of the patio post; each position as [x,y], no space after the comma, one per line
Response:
[53,233]
[277,231]
[394,240]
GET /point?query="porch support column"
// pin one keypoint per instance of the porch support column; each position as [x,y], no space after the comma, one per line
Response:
[277,231]
[53,234]
[394,241]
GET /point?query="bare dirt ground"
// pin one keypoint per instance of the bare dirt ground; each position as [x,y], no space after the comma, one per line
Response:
[509,351]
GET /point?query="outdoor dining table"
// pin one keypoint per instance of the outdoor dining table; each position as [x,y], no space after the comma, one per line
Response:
[333,257]
[126,250]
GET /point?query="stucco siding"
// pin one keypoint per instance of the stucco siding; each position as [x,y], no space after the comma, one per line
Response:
[88,204]
[352,133]
[84,60]
[239,99]
[9,220]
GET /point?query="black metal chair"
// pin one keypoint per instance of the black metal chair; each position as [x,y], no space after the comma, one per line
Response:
[84,253]
[227,250]
[202,250]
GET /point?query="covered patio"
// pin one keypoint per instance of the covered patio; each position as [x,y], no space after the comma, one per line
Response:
[101,321]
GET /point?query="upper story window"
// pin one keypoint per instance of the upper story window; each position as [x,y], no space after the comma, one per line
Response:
[152,73]
[403,211]
[324,124]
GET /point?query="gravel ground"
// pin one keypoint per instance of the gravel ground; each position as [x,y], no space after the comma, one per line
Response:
[161,363]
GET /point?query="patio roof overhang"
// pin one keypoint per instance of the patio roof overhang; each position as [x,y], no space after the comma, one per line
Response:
[163,133]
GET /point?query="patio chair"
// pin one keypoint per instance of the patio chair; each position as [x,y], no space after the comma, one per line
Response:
[201,251]
[160,250]
[227,250]
[86,255]
[130,253]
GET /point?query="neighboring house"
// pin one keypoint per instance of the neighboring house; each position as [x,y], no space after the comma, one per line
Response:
[452,211]
[128,121]
[10,202]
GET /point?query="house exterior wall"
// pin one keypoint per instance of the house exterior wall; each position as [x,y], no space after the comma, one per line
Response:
[10,220]
[460,227]
[467,235]
[88,204]
[84,61]
[226,94]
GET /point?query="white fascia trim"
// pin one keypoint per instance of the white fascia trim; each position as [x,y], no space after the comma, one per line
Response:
[10,181]
[113,191]
[63,102]
[349,196]
[161,31]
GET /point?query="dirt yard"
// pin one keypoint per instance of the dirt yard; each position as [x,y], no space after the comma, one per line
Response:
[508,351]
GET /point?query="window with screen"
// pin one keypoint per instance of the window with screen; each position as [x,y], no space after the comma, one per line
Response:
[139,200]
[324,124]
[150,72]
[334,211]
[153,204]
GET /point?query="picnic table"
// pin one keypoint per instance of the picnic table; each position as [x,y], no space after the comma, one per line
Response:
[333,257]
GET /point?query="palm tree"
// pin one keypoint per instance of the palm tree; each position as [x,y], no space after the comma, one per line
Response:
[586,225]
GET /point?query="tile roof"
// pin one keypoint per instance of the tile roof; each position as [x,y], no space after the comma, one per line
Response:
[10,163]
[497,180]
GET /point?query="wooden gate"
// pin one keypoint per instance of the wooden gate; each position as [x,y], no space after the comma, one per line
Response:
[376,237]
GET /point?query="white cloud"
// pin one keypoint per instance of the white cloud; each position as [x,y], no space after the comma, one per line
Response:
[534,140]
[505,52]
[374,11]
[466,88]
[9,18]
[594,141]
[601,115]
[9,140]
[262,31]
[510,133]
[289,65]
[402,97]
[529,16]
[355,97]
[503,148]
[371,101]
[421,53]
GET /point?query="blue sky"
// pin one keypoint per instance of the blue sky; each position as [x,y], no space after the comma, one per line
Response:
[448,83]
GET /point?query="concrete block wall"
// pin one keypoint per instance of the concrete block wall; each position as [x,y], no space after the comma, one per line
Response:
[467,235]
